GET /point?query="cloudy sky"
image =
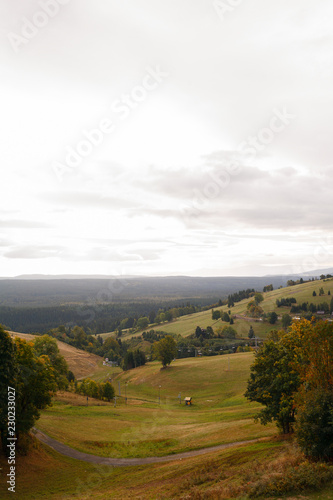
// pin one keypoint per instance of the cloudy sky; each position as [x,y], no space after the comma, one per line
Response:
[159,137]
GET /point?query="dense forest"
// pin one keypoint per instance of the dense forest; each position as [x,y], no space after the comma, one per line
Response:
[99,305]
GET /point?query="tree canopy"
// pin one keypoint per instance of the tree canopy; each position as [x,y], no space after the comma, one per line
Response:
[47,346]
[292,376]
[34,373]
[166,350]
[272,383]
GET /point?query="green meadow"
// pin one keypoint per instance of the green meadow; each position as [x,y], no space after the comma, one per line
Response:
[186,325]
[153,422]
[148,420]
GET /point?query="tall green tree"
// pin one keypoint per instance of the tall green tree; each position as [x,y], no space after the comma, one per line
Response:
[229,332]
[273,317]
[80,337]
[226,317]
[273,382]
[108,391]
[143,322]
[258,297]
[166,350]
[33,378]
[47,346]
[35,385]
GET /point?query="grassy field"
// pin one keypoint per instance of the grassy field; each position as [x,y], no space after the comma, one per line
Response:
[146,427]
[186,325]
[143,427]
[223,475]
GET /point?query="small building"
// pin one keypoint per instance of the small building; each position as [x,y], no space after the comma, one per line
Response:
[188,401]
[321,312]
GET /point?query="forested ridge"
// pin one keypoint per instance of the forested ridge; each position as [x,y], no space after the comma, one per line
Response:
[37,305]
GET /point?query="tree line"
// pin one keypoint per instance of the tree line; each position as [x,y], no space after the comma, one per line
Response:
[34,371]
[95,318]
[292,377]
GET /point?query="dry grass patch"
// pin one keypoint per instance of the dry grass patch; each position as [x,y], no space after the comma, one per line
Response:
[81,363]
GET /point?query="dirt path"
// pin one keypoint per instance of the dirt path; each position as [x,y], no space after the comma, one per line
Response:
[127,462]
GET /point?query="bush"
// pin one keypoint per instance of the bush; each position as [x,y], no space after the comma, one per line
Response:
[88,387]
[305,476]
[226,317]
[216,315]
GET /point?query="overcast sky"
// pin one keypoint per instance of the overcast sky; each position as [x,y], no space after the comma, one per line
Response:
[158,137]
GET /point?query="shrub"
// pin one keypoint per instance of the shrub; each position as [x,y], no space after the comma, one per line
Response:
[305,476]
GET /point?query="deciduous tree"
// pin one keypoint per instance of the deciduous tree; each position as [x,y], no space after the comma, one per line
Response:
[35,384]
[273,382]
[47,346]
[314,401]
[166,350]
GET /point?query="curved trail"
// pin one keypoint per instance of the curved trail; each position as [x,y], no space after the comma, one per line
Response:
[127,462]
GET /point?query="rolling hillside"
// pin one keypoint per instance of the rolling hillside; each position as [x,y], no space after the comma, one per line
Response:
[145,427]
[186,325]
[81,363]
[153,422]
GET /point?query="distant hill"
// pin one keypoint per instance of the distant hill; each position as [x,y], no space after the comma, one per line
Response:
[39,304]
[318,272]
[55,292]
[279,273]
[303,293]
[62,277]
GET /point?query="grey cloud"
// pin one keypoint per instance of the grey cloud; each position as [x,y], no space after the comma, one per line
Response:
[287,218]
[158,212]
[184,184]
[146,254]
[30,252]
[87,200]
[5,243]
[282,199]
[108,255]
[23,224]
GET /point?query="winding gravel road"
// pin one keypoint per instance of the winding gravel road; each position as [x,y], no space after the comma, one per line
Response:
[127,462]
